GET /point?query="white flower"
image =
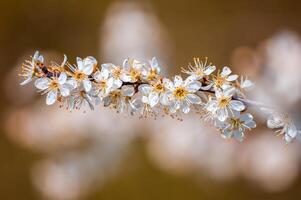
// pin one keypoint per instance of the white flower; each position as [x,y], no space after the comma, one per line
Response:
[29,68]
[199,70]
[132,71]
[82,72]
[115,72]
[243,85]
[152,71]
[236,125]
[54,87]
[223,104]
[120,98]
[181,93]
[223,80]
[284,124]
[104,83]
[154,93]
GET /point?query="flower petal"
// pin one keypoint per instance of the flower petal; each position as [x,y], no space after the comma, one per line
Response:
[42,83]
[127,90]
[87,85]
[237,105]
[153,99]
[232,77]
[62,78]
[222,114]
[80,64]
[226,71]
[209,70]
[145,89]
[194,99]
[194,86]
[64,90]
[51,97]
[168,84]
[178,81]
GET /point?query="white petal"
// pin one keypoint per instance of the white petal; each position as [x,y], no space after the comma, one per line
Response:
[194,99]
[127,90]
[107,66]
[251,124]
[42,83]
[117,83]
[238,135]
[178,81]
[62,78]
[292,131]
[80,64]
[64,90]
[275,122]
[144,99]
[145,89]
[165,99]
[226,71]
[87,85]
[209,70]
[153,99]
[105,73]
[222,114]
[247,84]
[246,117]
[51,97]
[72,82]
[185,107]
[126,78]
[237,105]
[168,84]
[88,68]
[232,77]
[155,65]
[229,92]
[194,86]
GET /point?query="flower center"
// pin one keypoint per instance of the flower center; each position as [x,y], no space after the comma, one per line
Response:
[236,123]
[152,75]
[219,82]
[79,75]
[54,85]
[116,73]
[223,102]
[159,87]
[135,74]
[180,93]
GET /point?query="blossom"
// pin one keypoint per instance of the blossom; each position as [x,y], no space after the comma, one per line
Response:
[223,79]
[152,71]
[81,72]
[243,85]
[54,87]
[284,124]
[199,70]
[115,72]
[236,125]
[223,104]
[132,71]
[181,94]
[120,98]
[154,93]
[104,83]
[29,68]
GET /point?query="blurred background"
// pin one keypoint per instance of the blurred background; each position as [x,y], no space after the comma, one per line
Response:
[48,153]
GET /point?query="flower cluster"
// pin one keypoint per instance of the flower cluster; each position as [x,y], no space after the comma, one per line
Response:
[138,88]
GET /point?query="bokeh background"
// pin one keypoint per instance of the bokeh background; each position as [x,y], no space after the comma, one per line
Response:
[48,153]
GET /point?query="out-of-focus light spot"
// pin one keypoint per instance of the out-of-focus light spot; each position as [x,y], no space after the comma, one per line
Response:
[131,29]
